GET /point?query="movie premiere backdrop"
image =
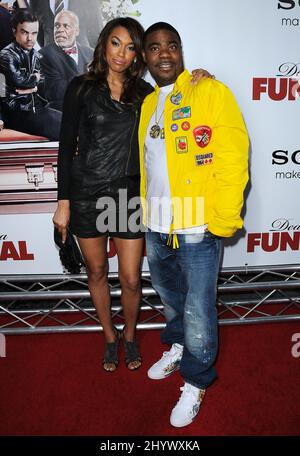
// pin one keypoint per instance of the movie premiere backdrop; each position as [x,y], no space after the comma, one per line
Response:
[250,45]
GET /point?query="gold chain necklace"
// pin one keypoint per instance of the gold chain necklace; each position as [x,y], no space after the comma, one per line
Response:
[155,130]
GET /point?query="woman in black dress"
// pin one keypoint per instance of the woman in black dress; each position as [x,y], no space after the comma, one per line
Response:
[98,156]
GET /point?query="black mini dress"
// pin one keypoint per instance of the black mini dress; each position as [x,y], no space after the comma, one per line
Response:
[98,162]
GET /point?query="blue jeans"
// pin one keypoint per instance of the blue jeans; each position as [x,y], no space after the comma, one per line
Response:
[186,281]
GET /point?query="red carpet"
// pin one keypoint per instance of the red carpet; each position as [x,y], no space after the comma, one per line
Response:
[54,385]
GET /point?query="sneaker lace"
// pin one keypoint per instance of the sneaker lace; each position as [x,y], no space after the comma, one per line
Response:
[185,395]
[175,350]
[190,394]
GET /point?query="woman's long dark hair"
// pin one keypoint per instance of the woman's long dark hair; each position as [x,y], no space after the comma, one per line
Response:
[98,68]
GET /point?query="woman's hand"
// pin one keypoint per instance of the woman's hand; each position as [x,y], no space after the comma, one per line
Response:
[61,218]
[199,74]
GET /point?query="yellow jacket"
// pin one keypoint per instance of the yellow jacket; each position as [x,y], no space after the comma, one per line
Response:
[207,154]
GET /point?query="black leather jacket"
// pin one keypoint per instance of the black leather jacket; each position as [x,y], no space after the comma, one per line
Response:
[98,141]
[19,68]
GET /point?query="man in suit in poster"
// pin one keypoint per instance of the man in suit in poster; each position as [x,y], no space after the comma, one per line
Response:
[64,59]
[88,12]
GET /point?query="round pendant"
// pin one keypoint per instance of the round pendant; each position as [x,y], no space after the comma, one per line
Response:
[155,131]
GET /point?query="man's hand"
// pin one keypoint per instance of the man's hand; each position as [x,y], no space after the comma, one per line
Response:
[199,74]
[26,91]
[1,125]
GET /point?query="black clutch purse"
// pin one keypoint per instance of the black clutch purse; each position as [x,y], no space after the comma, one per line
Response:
[69,252]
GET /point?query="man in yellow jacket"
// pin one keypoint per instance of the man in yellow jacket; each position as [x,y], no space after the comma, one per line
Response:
[194,168]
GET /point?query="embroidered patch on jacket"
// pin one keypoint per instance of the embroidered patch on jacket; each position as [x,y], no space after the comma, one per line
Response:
[176,98]
[204,159]
[174,127]
[181,113]
[185,125]
[202,135]
[181,144]
[171,367]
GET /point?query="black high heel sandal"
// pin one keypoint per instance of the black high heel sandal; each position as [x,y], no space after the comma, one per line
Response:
[111,353]
[132,353]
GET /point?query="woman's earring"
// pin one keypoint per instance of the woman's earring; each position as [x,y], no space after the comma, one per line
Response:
[134,60]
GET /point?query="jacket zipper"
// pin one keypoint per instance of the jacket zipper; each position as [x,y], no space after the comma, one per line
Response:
[130,143]
[31,67]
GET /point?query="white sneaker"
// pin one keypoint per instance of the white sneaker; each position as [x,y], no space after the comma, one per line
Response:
[168,363]
[188,406]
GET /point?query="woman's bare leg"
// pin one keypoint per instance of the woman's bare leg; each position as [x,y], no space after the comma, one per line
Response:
[129,253]
[94,251]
